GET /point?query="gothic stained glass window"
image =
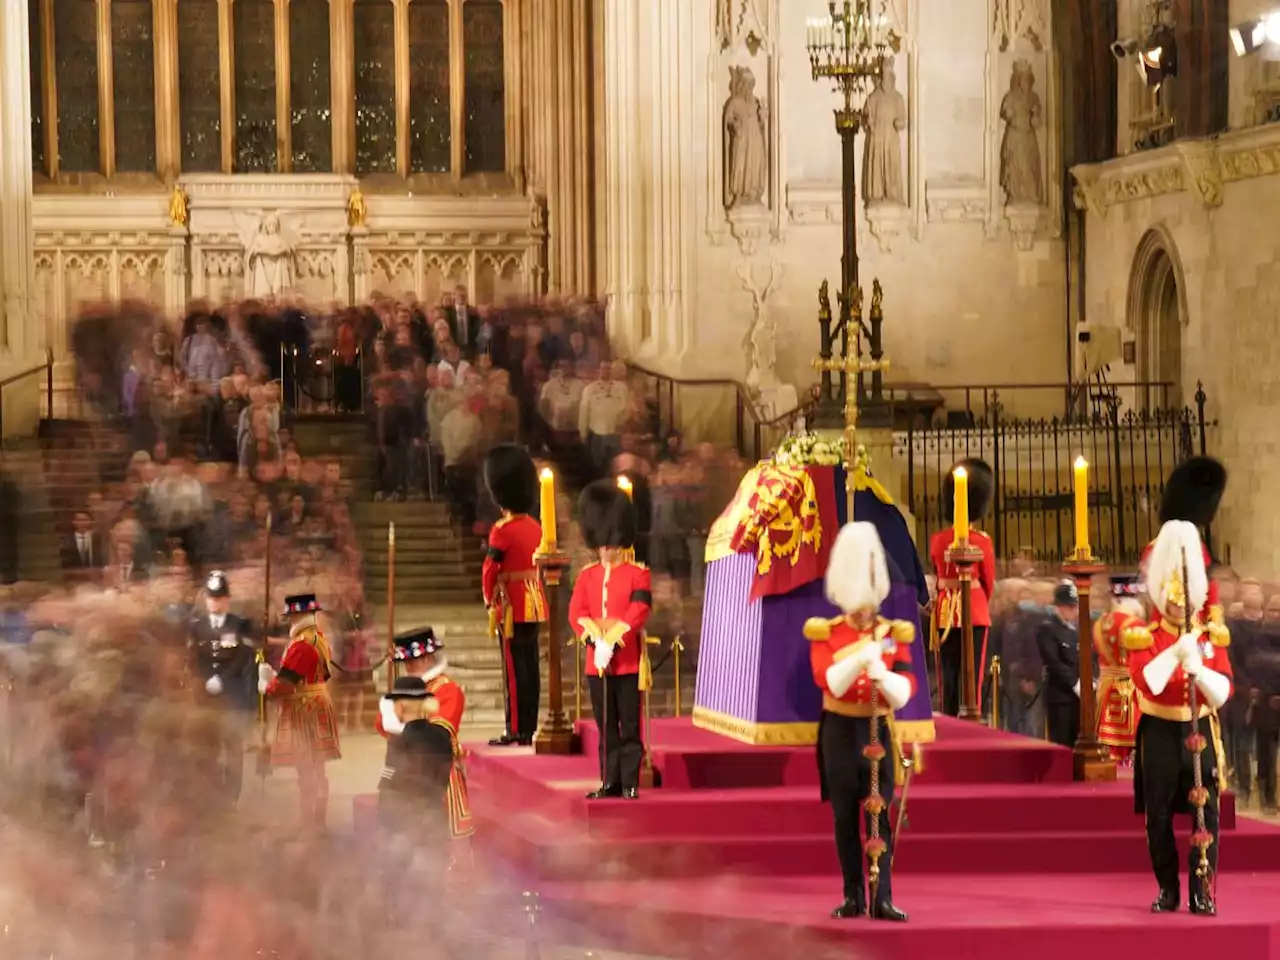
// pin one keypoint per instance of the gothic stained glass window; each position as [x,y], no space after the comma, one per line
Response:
[134,71]
[309,93]
[254,27]
[199,86]
[429,132]
[37,87]
[75,64]
[375,54]
[485,89]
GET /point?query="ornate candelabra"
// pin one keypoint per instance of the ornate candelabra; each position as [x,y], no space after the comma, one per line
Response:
[849,48]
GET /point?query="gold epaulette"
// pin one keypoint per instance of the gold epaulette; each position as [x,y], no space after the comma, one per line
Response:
[901,631]
[1219,634]
[1137,638]
[502,521]
[818,629]
[1216,615]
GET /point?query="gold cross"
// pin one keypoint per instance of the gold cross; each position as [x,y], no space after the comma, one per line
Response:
[851,364]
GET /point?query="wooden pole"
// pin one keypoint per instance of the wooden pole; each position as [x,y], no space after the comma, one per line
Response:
[555,734]
[391,605]
[965,556]
[1090,762]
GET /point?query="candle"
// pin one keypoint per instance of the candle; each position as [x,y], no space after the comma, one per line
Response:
[962,505]
[391,534]
[1082,507]
[624,484]
[547,483]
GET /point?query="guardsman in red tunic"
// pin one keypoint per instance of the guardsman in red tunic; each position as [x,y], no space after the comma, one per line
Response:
[608,610]
[1117,698]
[422,655]
[1172,669]
[1193,493]
[946,631]
[862,663]
[513,591]
[307,733]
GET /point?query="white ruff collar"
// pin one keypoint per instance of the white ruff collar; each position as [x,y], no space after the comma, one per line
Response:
[441,666]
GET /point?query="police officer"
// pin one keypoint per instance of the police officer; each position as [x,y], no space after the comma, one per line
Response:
[1058,641]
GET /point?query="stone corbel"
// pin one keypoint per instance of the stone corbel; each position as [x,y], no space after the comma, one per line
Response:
[1025,221]
[888,222]
[748,224]
[1203,168]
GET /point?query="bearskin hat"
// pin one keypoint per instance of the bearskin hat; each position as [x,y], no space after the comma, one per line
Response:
[1194,491]
[511,478]
[606,516]
[982,489]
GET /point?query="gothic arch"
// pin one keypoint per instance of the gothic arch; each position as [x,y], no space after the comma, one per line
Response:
[1156,313]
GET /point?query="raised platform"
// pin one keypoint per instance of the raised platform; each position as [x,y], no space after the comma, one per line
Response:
[1003,854]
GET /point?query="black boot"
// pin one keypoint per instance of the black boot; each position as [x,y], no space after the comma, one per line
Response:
[1167,902]
[1202,904]
[887,911]
[851,908]
[505,740]
[604,792]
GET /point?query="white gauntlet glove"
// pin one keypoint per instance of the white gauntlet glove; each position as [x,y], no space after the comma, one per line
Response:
[603,653]
[391,724]
[1214,687]
[213,686]
[265,675]
[894,687]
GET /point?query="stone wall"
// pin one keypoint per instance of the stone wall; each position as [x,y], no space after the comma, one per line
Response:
[1209,207]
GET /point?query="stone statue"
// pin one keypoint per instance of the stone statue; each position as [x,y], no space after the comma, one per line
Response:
[746,158]
[179,209]
[1020,149]
[357,212]
[270,244]
[885,117]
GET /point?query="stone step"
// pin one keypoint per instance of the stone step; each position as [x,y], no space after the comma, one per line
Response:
[378,594]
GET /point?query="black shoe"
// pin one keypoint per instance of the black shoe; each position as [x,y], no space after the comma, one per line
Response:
[849,909]
[1167,902]
[605,792]
[506,740]
[1202,904]
[887,911]
[524,741]
[631,793]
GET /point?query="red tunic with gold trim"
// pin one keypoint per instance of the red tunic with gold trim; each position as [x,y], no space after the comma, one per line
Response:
[308,730]
[1145,642]
[623,593]
[946,611]
[512,587]
[1117,700]
[451,703]
[843,640]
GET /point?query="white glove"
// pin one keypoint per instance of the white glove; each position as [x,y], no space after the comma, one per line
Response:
[213,686]
[1186,646]
[872,652]
[265,673]
[876,669]
[1076,689]
[391,724]
[1214,687]
[895,687]
[1193,663]
[1160,669]
[842,673]
[603,654]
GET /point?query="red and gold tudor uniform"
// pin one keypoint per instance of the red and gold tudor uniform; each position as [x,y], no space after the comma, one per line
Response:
[946,620]
[1117,697]
[422,648]
[1168,668]
[513,589]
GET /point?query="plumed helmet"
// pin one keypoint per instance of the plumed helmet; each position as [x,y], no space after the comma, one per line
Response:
[511,478]
[1193,491]
[982,489]
[1177,548]
[857,571]
[606,516]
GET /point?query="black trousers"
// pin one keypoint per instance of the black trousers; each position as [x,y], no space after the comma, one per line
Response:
[1063,720]
[228,772]
[523,677]
[1266,744]
[1167,778]
[615,701]
[950,654]
[846,782]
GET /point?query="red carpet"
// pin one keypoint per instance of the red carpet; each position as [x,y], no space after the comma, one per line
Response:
[1002,855]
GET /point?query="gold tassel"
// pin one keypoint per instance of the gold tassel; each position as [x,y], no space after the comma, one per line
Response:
[646,667]
[1215,731]
[508,621]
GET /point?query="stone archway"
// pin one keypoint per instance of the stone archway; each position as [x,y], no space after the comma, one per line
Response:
[1156,313]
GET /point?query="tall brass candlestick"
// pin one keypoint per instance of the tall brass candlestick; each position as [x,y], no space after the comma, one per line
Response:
[965,557]
[391,606]
[1090,761]
[555,734]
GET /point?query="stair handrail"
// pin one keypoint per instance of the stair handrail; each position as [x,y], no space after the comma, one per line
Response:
[47,368]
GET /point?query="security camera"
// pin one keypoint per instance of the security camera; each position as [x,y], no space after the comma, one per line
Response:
[1122,49]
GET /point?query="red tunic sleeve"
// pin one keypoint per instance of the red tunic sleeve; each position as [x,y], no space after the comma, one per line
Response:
[301,662]
[580,604]
[451,702]
[640,600]
[493,561]
[987,570]
[821,656]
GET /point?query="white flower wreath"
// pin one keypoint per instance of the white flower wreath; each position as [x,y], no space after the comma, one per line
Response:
[810,450]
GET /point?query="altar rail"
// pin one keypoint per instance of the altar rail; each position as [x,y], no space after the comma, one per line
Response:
[1130,453]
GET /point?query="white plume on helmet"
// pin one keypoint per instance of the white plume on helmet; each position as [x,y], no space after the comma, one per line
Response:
[857,572]
[1177,542]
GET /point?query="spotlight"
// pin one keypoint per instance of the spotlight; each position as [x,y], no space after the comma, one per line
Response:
[1158,58]
[1253,36]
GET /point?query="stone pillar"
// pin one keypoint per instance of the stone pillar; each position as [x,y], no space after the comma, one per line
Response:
[18,340]
[650,173]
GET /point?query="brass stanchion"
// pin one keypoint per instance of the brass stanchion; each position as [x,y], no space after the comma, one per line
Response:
[391,606]
[677,648]
[995,693]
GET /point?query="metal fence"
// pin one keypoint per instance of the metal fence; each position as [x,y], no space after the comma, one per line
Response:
[1130,454]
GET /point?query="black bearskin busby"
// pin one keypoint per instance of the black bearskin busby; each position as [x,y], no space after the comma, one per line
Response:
[511,478]
[1194,491]
[607,516]
[982,489]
